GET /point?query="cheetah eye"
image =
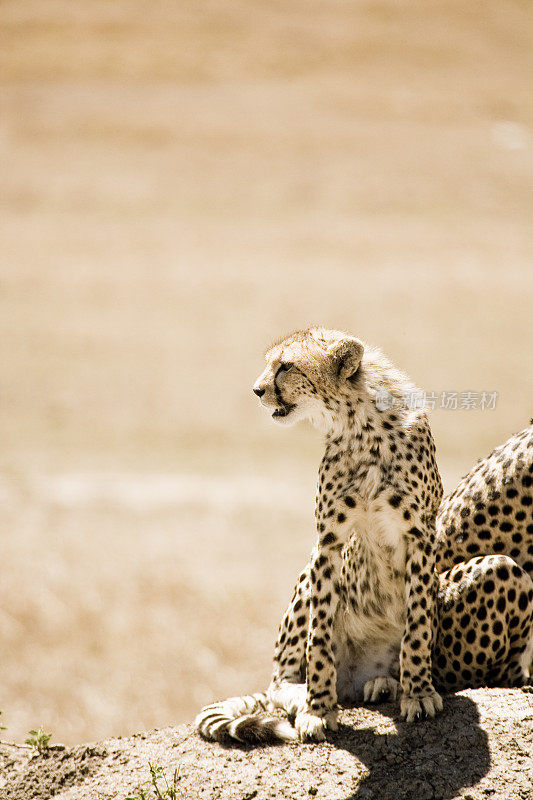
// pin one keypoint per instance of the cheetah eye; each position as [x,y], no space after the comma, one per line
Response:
[282,369]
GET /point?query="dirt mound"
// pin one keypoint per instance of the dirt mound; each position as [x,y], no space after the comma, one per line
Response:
[479,747]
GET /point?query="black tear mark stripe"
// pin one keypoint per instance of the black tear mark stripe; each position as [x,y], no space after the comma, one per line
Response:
[277,392]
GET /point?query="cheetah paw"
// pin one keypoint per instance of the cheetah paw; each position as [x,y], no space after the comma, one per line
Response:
[312,728]
[417,707]
[331,720]
[379,688]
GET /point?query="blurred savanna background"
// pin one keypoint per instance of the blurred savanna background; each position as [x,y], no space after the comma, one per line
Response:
[182,182]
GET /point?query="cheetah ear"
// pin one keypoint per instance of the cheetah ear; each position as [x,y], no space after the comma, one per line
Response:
[346,357]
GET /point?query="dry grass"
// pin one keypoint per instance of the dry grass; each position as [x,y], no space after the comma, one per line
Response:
[181,183]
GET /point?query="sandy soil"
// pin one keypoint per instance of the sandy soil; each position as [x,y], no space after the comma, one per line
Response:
[480,747]
[182,182]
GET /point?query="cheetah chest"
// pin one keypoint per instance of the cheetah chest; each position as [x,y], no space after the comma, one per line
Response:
[372,577]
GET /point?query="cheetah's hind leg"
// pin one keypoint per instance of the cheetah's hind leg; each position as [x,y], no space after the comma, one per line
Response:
[485,626]
[381,688]
[291,698]
[287,696]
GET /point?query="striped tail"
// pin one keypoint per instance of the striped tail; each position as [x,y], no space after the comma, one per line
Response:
[245,720]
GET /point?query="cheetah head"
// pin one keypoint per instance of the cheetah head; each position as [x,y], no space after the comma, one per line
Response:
[307,374]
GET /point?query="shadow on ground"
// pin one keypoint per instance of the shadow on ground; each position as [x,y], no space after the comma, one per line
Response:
[434,759]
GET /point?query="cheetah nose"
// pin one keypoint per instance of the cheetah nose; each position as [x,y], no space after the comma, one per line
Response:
[259,392]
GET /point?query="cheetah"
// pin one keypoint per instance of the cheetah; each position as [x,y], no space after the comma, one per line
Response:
[484,558]
[370,616]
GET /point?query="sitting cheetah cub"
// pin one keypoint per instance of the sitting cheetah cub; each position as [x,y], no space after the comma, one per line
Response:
[368,592]
[364,609]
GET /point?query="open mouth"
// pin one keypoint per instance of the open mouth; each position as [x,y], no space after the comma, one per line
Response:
[283,411]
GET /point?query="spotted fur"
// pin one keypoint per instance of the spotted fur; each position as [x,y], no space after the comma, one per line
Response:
[485,557]
[370,611]
[491,510]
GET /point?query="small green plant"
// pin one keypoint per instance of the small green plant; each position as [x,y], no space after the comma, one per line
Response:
[157,787]
[39,739]
[143,794]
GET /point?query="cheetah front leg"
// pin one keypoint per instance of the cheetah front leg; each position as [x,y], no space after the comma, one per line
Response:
[320,709]
[419,697]
[287,689]
[289,651]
